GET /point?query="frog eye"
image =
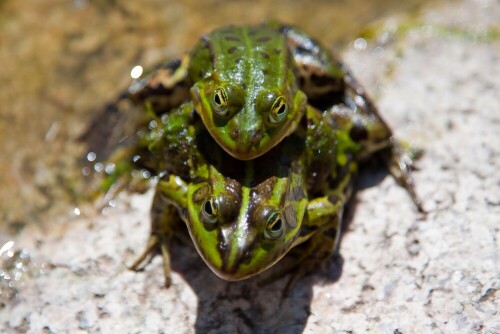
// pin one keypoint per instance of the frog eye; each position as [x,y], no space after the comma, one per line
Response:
[220,102]
[278,110]
[274,227]
[209,211]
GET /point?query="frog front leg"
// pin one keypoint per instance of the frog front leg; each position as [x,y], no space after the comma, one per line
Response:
[321,235]
[169,198]
[166,86]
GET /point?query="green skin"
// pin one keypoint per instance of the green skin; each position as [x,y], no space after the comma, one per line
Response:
[243,216]
[250,85]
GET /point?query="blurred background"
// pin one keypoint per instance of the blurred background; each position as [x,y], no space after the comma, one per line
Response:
[432,69]
[62,60]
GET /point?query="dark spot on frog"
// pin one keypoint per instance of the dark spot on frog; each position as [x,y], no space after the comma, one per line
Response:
[232,39]
[302,50]
[277,51]
[263,39]
[358,133]
[302,81]
[244,86]
[232,49]
[334,199]
[246,257]
[264,55]
[234,134]
[331,233]
[201,194]
[222,246]
[237,60]
[323,80]
[265,71]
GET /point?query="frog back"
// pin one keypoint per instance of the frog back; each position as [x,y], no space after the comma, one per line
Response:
[248,56]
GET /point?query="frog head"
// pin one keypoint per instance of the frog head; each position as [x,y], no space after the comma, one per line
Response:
[245,89]
[247,124]
[240,231]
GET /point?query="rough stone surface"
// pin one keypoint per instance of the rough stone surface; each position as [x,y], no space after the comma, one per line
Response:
[437,84]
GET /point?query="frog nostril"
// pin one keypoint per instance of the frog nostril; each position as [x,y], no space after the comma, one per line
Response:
[246,257]
[234,134]
[256,137]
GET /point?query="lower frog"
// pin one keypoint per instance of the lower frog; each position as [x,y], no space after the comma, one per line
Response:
[243,216]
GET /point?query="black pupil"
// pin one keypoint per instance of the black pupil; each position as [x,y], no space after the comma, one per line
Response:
[208,208]
[219,98]
[281,109]
[277,225]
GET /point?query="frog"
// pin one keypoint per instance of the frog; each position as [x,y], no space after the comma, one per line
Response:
[250,85]
[243,216]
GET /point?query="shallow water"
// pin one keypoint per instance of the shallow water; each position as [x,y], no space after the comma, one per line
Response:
[62,60]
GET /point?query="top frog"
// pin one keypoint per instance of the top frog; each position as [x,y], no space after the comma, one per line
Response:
[250,85]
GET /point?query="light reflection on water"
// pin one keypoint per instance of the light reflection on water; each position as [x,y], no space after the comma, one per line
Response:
[15,265]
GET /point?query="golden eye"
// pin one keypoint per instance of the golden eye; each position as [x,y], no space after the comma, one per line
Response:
[274,227]
[220,102]
[278,110]
[209,211]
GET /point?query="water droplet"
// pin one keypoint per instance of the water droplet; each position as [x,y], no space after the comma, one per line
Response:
[360,44]
[360,101]
[91,156]
[110,168]
[6,247]
[146,174]
[98,167]
[86,171]
[153,124]
[136,72]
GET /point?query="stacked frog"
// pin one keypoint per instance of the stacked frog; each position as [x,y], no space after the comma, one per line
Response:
[260,133]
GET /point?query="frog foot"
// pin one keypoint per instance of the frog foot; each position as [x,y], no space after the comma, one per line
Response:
[153,247]
[400,167]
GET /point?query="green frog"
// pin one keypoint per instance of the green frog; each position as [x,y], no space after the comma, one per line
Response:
[250,85]
[244,216]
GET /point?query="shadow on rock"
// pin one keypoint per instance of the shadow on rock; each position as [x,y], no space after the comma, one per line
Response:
[247,306]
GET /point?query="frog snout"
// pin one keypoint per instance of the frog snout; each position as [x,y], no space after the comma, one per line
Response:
[248,139]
